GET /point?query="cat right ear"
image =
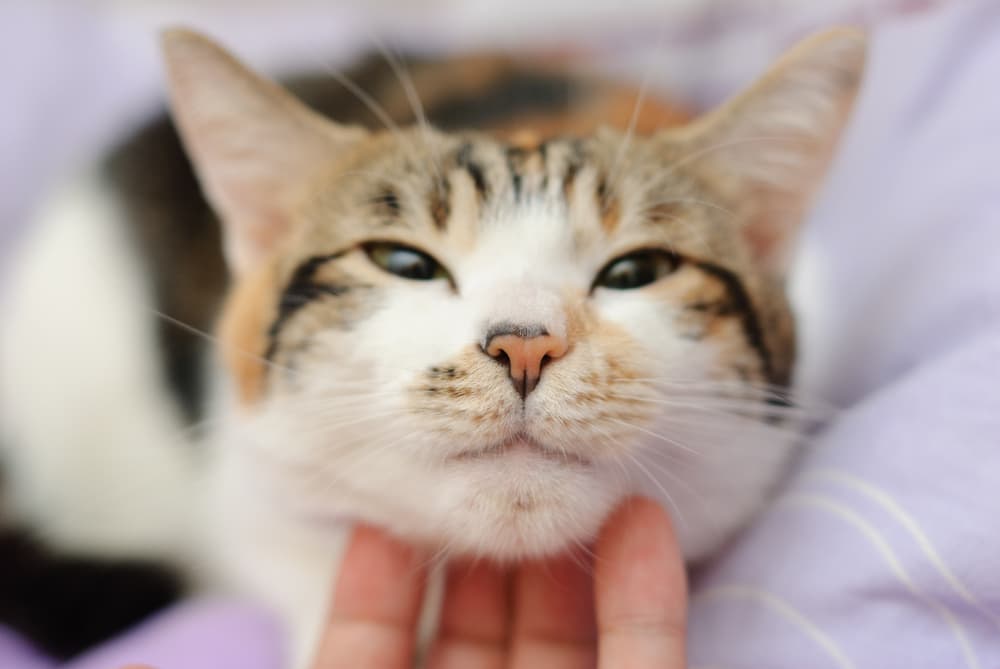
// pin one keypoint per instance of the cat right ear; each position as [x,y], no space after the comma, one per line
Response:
[253,145]
[768,148]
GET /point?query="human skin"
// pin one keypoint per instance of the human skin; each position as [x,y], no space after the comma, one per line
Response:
[623,606]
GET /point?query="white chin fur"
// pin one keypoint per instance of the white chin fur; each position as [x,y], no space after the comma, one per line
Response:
[521,506]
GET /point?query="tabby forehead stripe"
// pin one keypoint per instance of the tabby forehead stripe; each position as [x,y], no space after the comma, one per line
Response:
[300,290]
[515,159]
[440,205]
[743,305]
[574,161]
[464,159]
[569,180]
[387,204]
[543,154]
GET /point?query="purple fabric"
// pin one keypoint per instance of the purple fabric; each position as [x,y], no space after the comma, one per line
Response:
[880,553]
[883,551]
[15,653]
[195,635]
[208,634]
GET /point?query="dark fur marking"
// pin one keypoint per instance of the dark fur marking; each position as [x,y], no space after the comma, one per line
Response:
[742,305]
[722,307]
[178,238]
[177,235]
[515,160]
[440,206]
[574,161]
[464,160]
[543,155]
[664,212]
[387,205]
[67,604]
[603,193]
[518,95]
[515,184]
[450,372]
[300,291]
[572,169]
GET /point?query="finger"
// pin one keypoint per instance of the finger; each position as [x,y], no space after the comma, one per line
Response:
[554,615]
[376,605]
[474,619]
[641,593]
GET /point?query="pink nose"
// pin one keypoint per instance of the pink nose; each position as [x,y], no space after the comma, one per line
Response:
[525,355]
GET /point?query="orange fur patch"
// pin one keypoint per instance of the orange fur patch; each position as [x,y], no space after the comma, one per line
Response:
[610,216]
[243,332]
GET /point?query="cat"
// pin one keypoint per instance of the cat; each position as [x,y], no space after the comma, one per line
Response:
[480,332]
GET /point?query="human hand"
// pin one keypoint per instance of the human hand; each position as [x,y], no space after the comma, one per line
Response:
[629,611]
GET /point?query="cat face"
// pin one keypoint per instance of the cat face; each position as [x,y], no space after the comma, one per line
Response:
[485,345]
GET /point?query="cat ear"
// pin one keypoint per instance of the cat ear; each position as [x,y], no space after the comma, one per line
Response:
[769,147]
[251,142]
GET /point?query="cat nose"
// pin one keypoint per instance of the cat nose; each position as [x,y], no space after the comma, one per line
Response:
[524,349]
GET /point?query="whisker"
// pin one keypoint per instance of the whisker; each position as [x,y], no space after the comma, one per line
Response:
[661,467]
[649,206]
[696,388]
[703,151]
[215,341]
[714,403]
[375,108]
[667,496]
[633,122]
[354,420]
[663,438]
[413,98]
[640,100]
[439,556]
[578,559]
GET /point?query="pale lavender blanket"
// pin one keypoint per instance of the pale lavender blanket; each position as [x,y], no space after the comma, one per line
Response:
[882,551]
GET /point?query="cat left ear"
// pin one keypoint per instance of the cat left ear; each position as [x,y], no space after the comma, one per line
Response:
[252,143]
[768,149]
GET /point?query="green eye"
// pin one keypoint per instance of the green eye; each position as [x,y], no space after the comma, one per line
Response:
[637,269]
[404,261]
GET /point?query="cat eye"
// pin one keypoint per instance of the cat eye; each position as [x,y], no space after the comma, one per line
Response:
[637,269]
[405,261]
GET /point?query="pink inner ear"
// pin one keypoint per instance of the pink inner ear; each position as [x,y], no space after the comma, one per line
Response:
[262,237]
[251,141]
[772,226]
[768,247]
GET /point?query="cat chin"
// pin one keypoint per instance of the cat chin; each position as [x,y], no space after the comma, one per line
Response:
[517,507]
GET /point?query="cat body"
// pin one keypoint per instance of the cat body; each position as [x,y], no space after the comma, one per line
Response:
[480,341]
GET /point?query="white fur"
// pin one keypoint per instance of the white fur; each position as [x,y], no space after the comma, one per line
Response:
[96,457]
[346,444]
[100,462]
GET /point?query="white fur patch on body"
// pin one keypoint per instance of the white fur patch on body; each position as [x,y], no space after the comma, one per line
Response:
[96,460]
[96,456]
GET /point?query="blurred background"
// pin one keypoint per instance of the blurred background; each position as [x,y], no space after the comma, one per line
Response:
[899,298]
[78,74]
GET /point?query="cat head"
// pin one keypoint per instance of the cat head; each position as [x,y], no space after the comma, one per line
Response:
[485,345]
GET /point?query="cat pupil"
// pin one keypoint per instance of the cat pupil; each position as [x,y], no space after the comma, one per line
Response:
[636,270]
[631,272]
[409,264]
[405,262]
